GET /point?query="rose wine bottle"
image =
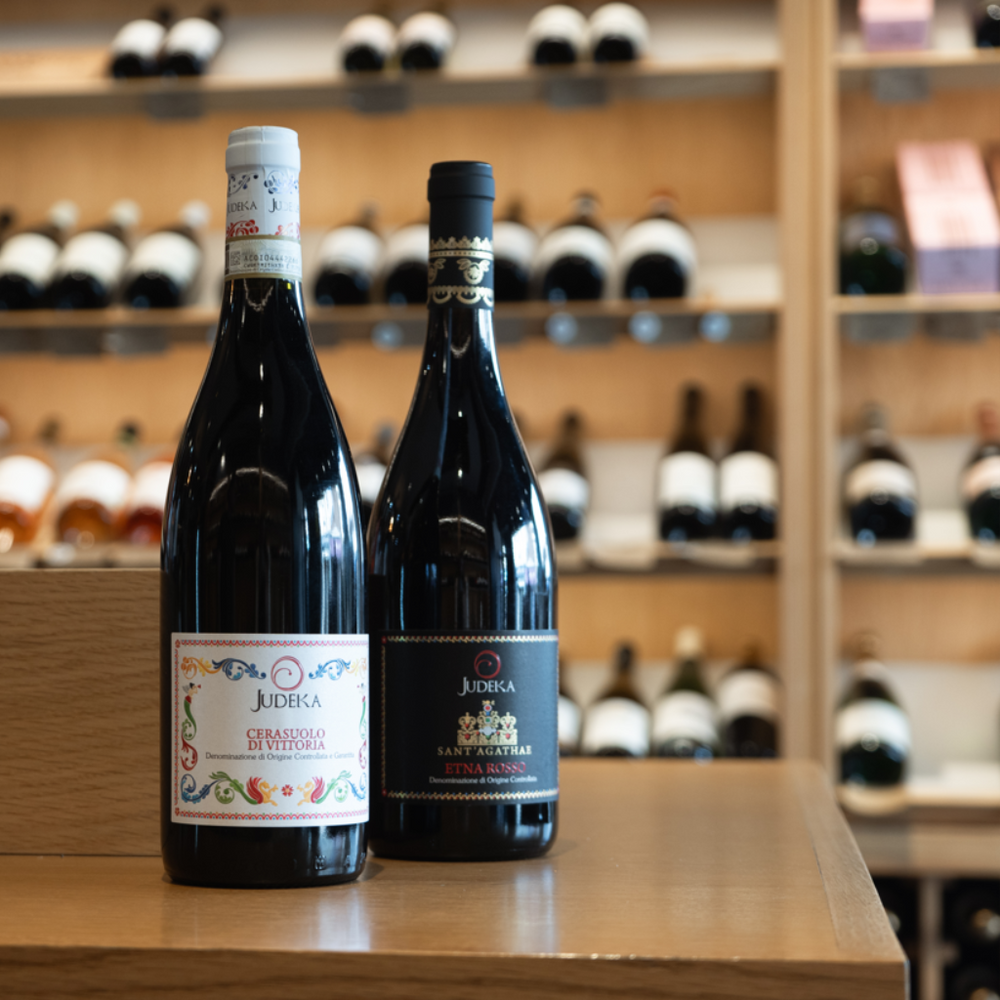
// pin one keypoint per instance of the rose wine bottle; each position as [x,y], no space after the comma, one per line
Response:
[617,723]
[165,266]
[462,584]
[563,479]
[135,49]
[28,258]
[981,478]
[264,656]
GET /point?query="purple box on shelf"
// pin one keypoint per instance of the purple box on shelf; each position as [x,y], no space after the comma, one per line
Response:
[895,25]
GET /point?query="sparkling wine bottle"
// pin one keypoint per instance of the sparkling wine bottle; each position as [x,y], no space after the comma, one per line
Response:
[575,258]
[563,479]
[366,44]
[28,258]
[880,489]
[686,489]
[981,477]
[748,477]
[872,260]
[749,699]
[191,44]
[872,734]
[685,717]
[462,584]
[348,262]
[425,41]
[264,656]
[617,723]
[514,246]
[135,49]
[657,256]
[404,266]
[557,36]
[619,32]
[89,269]
[162,272]
[569,719]
[27,480]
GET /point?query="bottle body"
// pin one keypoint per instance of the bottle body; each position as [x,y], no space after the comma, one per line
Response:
[557,36]
[27,480]
[685,717]
[135,49]
[748,479]
[986,24]
[563,481]
[980,482]
[425,41]
[514,246]
[404,266]
[28,259]
[657,256]
[191,44]
[619,32]
[749,699]
[262,556]
[366,44]
[574,259]
[348,261]
[872,259]
[617,724]
[164,268]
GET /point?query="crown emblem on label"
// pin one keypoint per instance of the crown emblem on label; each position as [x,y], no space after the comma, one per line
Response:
[462,243]
[488,729]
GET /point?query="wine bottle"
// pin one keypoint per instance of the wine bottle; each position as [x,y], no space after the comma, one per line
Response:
[686,490]
[749,698]
[142,517]
[91,498]
[569,719]
[135,50]
[986,24]
[370,467]
[972,914]
[462,581]
[366,44]
[514,246]
[748,477]
[563,480]
[656,256]
[425,41]
[264,657]
[348,261]
[685,718]
[981,477]
[404,266]
[898,897]
[7,219]
[557,36]
[191,44]
[617,723]
[575,258]
[872,732]
[163,269]
[872,259]
[619,32]
[974,980]
[89,269]
[880,489]
[28,258]
[27,481]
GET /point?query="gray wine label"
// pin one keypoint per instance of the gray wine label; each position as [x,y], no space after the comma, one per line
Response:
[460,272]
[468,718]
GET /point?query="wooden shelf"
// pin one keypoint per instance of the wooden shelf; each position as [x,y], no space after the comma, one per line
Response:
[853,305]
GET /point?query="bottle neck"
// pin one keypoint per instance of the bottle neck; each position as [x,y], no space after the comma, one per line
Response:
[750,436]
[689,438]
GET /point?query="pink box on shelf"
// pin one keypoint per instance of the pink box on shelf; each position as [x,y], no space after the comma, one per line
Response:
[895,25]
[941,166]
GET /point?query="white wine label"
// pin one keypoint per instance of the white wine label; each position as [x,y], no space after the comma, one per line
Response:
[25,482]
[616,724]
[351,248]
[558,23]
[873,720]
[569,724]
[685,715]
[96,481]
[983,477]
[142,38]
[514,242]
[621,20]
[748,477]
[748,692]
[170,254]
[880,477]
[149,491]
[686,479]
[574,241]
[100,255]
[411,243]
[193,36]
[877,226]
[269,730]
[368,31]
[30,255]
[657,236]
[426,28]
[564,488]
[262,224]
[370,476]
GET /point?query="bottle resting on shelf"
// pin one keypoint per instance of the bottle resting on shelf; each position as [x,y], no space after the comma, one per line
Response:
[880,489]
[986,24]
[570,719]
[162,272]
[749,699]
[89,269]
[348,262]
[617,723]
[263,575]
[972,914]
[135,49]
[980,483]
[404,266]
[367,43]
[685,717]
[563,480]
[872,259]
[656,256]
[748,477]
[686,497]
[28,258]
[574,259]
[27,481]
[558,35]
[142,516]
[191,44]
[514,247]
[618,32]
[425,41]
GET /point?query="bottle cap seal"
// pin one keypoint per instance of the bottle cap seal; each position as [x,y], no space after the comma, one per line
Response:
[263,145]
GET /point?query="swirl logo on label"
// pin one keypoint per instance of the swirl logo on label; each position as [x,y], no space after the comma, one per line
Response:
[487,665]
[289,676]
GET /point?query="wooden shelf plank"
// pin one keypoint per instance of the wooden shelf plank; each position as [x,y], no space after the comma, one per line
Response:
[853,305]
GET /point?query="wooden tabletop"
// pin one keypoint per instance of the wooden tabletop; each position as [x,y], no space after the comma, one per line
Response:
[668,880]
